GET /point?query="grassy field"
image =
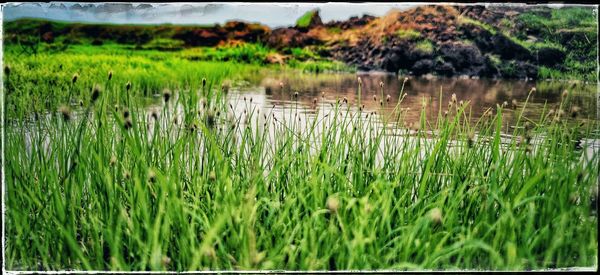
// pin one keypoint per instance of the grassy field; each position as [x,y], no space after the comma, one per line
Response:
[105,187]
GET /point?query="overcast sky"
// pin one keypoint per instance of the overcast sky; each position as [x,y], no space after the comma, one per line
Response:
[271,14]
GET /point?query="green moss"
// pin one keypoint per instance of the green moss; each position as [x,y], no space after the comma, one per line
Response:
[334,30]
[463,21]
[468,42]
[425,46]
[496,61]
[408,34]
[304,20]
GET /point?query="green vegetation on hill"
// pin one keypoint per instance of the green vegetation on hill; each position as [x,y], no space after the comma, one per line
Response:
[305,19]
[555,43]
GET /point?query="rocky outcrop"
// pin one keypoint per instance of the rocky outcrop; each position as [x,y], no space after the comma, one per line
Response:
[309,20]
[290,37]
[216,35]
[352,22]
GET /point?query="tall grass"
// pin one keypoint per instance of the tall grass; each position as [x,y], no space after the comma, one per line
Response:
[201,185]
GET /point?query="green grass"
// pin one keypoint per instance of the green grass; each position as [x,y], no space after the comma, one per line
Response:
[304,20]
[463,20]
[425,46]
[408,34]
[582,51]
[334,30]
[207,192]
[31,88]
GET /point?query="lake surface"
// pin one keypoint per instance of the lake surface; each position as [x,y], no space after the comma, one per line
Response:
[296,100]
[481,94]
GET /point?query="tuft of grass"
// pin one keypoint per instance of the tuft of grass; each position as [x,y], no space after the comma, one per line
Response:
[408,34]
[304,20]
[464,21]
[425,46]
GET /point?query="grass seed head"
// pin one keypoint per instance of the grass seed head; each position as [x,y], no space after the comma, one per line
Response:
[388,98]
[74,79]
[332,204]
[374,98]
[209,252]
[151,176]
[514,104]
[315,101]
[203,82]
[575,111]
[565,93]
[128,123]
[574,198]
[7,70]
[81,103]
[381,84]
[436,216]
[126,113]
[166,95]
[128,86]
[453,100]
[113,160]
[154,115]
[96,92]
[296,95]
[471,139]
[210,119]
[225,87]
[110,74]
[166,261]
[359,81]
[65,112]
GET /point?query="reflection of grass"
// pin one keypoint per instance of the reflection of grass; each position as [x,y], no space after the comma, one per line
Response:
[205,192]
[321,66]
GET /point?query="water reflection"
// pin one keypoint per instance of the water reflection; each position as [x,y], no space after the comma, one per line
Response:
[481,94]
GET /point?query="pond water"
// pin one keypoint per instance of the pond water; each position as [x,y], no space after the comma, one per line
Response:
[481,94]
[295,101]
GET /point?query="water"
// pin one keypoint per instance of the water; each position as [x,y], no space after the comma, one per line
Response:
[296,100]
[481,94]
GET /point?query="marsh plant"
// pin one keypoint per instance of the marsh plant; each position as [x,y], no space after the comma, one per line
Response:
[206,186]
